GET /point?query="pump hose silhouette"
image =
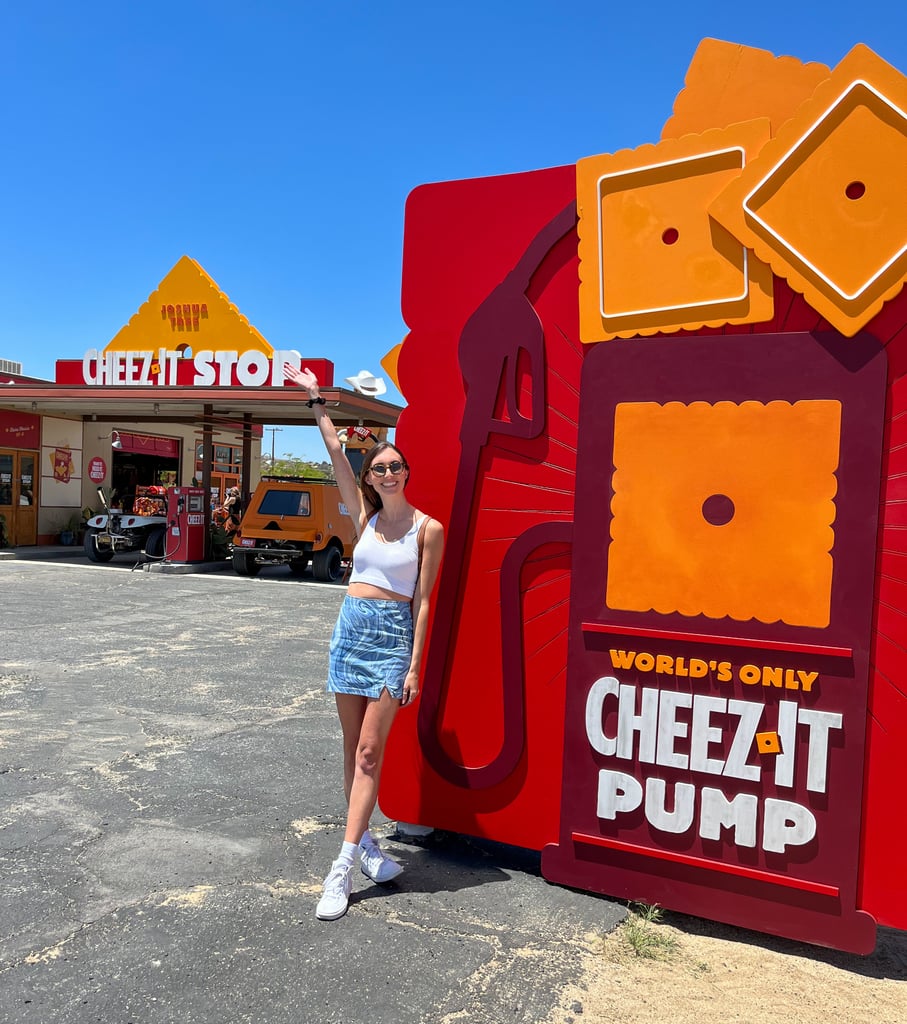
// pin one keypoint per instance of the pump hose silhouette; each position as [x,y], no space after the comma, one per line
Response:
[504,326]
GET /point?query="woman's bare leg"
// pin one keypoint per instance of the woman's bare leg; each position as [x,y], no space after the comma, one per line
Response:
[369,755]
[351,711]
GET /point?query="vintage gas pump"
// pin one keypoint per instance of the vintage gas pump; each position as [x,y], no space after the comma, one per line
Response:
[185,524]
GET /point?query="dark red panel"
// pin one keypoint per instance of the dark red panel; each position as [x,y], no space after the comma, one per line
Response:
[19,429]
[648,825]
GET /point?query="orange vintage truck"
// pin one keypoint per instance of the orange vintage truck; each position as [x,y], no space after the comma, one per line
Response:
[292,521]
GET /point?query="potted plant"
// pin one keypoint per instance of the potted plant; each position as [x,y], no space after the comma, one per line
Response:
[86,514]
[70,529]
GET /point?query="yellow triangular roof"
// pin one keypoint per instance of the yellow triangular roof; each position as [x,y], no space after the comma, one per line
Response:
[187,309]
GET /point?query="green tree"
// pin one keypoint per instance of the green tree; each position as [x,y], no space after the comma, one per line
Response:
[289,464]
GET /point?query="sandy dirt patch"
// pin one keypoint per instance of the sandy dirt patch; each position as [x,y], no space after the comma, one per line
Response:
[717,974]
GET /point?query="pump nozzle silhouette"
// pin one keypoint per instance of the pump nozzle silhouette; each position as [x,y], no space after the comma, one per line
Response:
[503,337]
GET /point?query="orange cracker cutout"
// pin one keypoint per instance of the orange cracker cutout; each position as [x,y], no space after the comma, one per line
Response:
[651,258]
[823,203]
[725,509]
[768,743]
[727,83]
[390,364]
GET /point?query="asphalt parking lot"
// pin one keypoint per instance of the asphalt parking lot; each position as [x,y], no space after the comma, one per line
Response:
[170,802]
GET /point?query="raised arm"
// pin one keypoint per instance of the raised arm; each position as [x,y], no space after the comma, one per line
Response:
[343,471]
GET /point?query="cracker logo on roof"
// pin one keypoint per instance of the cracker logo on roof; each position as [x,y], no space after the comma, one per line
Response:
[188,333]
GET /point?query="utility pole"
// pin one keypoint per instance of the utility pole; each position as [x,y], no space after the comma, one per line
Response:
[274,432]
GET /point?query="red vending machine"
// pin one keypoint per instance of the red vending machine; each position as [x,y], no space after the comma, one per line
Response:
[186,533]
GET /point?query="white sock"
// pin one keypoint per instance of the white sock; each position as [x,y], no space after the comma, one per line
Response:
[348,853]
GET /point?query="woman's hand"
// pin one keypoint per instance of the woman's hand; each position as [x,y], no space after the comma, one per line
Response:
[302,378]
[410,688]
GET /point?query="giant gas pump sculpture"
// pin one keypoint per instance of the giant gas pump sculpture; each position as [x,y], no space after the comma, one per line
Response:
[660,401]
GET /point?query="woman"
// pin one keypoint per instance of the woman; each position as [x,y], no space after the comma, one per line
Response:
[376,649]
[232,509]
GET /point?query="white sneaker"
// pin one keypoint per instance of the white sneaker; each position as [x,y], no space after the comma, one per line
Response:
[376,864]
[336,896]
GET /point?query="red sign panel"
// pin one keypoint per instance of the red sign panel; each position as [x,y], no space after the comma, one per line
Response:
[148,444]
[171,369]
[721,611]
[19,429]
[97,470]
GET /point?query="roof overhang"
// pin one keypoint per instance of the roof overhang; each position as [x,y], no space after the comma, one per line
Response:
[284,405]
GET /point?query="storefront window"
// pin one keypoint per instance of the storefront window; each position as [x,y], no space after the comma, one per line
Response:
[227,459]
[26,480]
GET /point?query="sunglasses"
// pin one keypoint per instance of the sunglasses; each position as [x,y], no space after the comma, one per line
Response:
[395,467]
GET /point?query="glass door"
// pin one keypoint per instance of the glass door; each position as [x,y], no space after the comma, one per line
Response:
[26,508]
[6,498]
[18,501]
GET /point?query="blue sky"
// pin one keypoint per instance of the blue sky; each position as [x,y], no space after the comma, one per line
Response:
[276,143]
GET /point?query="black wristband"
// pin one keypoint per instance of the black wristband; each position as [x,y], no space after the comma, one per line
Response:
[316,401]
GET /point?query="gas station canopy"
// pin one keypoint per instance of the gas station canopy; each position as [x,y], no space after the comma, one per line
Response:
[136,404]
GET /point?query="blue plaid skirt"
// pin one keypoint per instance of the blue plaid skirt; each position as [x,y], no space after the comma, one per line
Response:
[371,647]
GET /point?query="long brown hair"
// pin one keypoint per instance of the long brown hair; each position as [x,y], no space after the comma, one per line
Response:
[369,492]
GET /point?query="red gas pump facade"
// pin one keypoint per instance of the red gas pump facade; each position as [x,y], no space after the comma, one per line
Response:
[668,637]
[186,534]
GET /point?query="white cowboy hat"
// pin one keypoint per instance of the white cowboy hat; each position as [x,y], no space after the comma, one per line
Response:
[366,383]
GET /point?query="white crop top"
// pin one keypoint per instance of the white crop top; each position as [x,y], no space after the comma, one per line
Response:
[392,565]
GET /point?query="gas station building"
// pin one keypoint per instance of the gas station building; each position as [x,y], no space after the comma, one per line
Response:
[178,397]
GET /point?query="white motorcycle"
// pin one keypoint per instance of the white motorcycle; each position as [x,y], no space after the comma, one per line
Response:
[113,531]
